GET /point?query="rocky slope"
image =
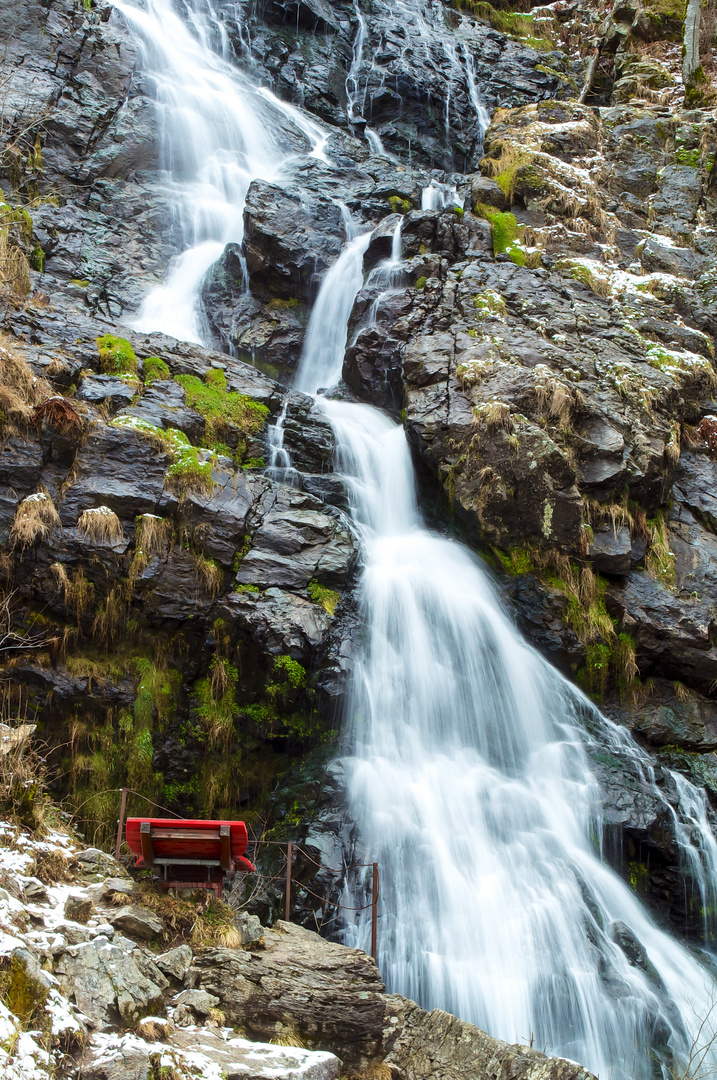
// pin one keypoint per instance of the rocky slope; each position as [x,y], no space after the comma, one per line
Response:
[186,620]
[95,984]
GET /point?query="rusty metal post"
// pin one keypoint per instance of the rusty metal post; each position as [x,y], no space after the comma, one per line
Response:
[374,912]
[120,824]
[287,905]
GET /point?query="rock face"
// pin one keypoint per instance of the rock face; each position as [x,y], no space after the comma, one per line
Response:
[335,997]
[436,1044]
[107,984]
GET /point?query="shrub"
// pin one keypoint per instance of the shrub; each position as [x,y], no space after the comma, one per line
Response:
[154,368]
[100,525]
[35,518]
[116,355]
[209,575]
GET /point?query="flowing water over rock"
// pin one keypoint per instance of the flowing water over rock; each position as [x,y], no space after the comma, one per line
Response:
[470,778]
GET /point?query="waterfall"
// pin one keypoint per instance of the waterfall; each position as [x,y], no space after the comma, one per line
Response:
[469,777]
[217,132]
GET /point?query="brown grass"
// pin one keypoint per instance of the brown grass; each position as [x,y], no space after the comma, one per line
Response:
[78,591]
[209,575]
[100,525]
[58,413]
[22,770]
[14,267]
[20,390]
[35,519]
[111,617]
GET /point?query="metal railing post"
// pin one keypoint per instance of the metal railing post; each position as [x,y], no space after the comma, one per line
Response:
[120,824]
[374,912]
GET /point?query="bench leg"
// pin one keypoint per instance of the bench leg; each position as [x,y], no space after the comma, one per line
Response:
[145,835]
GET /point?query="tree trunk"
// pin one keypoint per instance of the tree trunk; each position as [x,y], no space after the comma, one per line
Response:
[691,57]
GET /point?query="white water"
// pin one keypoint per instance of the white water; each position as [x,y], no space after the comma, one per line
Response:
[469,778]
[217,132]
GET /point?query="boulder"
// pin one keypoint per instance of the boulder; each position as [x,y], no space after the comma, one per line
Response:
[92,862]
[109,389]
[328,994]
[78,908]
[114,885]
[106,984]
[438,1046]
[176,962]
[128,1057]
[611,550]
[138,921]
[199,1001]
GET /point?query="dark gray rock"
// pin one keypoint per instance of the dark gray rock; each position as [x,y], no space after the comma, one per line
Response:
[115,392]
[611,550]
[138,921]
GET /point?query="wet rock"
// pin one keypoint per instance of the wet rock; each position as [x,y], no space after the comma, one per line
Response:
[296,541]
[138,921]
[288,241]
[611,550]
[163,405]
[111,390]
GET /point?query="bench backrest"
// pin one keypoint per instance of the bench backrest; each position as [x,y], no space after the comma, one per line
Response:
[176,838]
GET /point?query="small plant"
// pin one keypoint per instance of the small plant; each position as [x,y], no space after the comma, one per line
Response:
[320,594]
[209,575]
[494,415]
[660,560]
[78,592]
[117,356]
[153,369]
[100,525]
[35,518]
[216,694]
[505,230]
[151,537]
[20,391]
[110,619]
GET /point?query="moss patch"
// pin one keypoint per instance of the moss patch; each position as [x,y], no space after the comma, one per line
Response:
[117,356]
[155,368]
[327,598]
[225,412]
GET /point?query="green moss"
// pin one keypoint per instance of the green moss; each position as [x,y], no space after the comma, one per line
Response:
[154,368]
[223,410]
[81,283]
[253,463]
[517,25]
[506,232]
[687,157]
[216,695]
[516,561]
[489,303]
[37,259]
[116,355]
[660,560]
[458,210]
[277,304]
[247,588]
[637,876]
[24,996]
[421,283]
[399,205]
[594,676]
[327,598]
[289,673]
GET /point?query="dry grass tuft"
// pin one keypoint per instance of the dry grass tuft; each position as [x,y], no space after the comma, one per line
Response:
[58,413]
[209,575]
[153,536]
[14,267]
[100,525]
[78,591]
[287,1036]
[494,415]
[20,390]
[111,617]
[35,518]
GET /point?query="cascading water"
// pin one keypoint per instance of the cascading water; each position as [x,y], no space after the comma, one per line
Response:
[217,132]
[469,780]
[471,786]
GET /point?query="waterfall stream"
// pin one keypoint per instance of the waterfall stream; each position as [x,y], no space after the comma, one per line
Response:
[469,776]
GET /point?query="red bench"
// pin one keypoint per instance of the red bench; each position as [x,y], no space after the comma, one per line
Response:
[177,849]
